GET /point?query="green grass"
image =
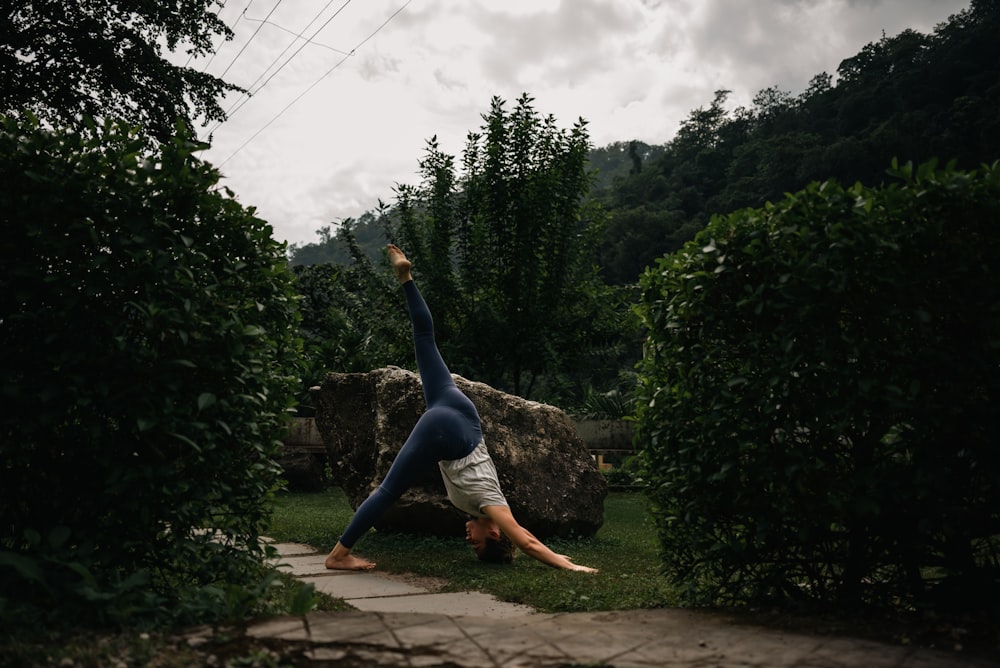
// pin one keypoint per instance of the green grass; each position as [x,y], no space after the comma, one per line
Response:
[625,550]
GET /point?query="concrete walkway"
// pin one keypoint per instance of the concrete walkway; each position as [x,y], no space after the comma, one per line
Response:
[402,622]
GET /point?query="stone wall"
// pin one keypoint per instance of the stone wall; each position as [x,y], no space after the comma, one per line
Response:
[303,457]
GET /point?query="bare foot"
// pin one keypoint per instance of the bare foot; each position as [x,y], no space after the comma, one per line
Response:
[400,265]
[348,562]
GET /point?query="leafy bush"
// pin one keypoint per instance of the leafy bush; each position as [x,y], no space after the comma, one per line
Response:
[614,404]
[147,325]
[626,474]
[818,397]
[353,318]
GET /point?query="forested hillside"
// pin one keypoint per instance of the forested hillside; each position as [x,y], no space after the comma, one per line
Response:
[912,96]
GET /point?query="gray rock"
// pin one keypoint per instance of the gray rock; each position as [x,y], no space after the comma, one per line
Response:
[550,480]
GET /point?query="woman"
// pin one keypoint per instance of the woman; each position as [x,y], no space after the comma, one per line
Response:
[449,433]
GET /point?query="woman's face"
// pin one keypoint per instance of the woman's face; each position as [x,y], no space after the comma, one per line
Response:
[476,533]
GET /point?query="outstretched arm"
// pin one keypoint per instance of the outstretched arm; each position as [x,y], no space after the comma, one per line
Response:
[527,543]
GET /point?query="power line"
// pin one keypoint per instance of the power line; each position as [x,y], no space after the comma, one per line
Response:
[222,41]
[315,83]
[299,35]
[246,97]
[244,47]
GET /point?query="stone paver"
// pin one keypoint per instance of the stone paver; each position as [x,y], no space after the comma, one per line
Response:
[401,624]
[360,586]
[292,549]
[302,565]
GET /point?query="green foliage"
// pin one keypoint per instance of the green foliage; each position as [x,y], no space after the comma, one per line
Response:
[615,404]
[818,397]
[66,61]
[147,330]
[352,317]
[627,474]
[505,254]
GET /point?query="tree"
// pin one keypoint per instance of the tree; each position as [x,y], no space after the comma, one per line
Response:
[351,320]
[148,340]
[507,252]
[636,237]
[619,159]
[65,61]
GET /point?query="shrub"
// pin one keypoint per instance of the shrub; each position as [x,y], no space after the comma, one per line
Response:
[147,325]
[352,318]
[818,397]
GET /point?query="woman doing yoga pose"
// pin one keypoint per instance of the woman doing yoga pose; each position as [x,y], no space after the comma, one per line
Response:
[448,433]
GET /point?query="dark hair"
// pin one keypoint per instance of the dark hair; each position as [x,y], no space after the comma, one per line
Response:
[498,550]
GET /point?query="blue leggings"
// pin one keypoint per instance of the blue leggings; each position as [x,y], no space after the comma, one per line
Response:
[448,429]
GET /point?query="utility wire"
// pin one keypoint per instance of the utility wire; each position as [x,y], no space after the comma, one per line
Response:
[222,41]
[308,40]
[315,83]
[244,48]
[245,97]
[299,35]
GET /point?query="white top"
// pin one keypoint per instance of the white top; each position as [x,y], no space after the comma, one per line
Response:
[472,481]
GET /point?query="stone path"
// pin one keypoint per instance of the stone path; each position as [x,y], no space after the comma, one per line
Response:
[406,623]
[380,592]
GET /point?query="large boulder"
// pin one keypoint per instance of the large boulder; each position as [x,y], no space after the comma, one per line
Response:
[550,480]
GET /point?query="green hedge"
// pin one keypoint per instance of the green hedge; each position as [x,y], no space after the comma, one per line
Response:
[147,329]
[818,398]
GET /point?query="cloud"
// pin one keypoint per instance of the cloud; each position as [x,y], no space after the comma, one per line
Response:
[634,69]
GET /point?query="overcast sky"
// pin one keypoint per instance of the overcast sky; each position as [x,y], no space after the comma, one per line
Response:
[327,134]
